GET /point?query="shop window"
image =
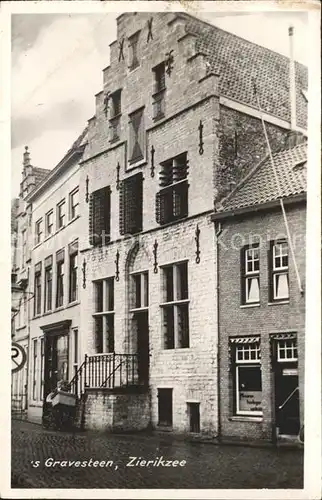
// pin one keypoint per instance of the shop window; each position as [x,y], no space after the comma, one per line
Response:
[133,51]
[60,270]
[74,204]
[75,350]
[48,292]
[61,214]
[100,216]
[73,271]
[250,274]
[175,308]
[104,315]
[247,377]
[159,91]
[131,204]
[165,407]
[136,136]
[49,223]
[37,290]
[34,368]
[194,417]
[42,367]
[279,279]
[172,199]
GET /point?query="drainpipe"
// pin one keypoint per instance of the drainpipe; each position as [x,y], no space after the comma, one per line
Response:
[292,96]
[218,230]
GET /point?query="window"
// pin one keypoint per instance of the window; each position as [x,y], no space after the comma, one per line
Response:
[287,350]
[34,369]
[175,309]
[75,351]
[38,231]
[73,258]
[194,416]
[60,278]
[136,136]
[49,223]
[279,282]
[100,216]
[61,212]
[104,315]
[165,407]
[159,91]
[250,274]
[42,366]
[248,379]
[115,116]
[133,50]
[24,248]
[131,204]
[172,199]
[140,290]
[74,204]
[48,293]
[37,290]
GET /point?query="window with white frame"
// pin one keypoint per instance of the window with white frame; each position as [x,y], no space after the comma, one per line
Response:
[23,248]
[140,290]
[73,271]
[74,204]
[175,308]
[60,271]
[42,367]
[37,290]
[250,274]
[104,315]
[61,214]
[159,91]
[75,350]
[38,231]
[247,377]
[279,269]
[48,292]
[115,115]
[49,223]
[287,350]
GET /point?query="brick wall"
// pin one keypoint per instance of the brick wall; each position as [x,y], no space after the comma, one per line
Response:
[262,320]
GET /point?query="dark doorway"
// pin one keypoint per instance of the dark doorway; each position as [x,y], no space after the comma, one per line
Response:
[56,361]
[165,407]
[142,327]
[287,399]
[194,417]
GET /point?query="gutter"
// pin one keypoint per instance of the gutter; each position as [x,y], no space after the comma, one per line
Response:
[218,230]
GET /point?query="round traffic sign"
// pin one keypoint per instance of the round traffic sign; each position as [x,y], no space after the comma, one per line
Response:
[18,357]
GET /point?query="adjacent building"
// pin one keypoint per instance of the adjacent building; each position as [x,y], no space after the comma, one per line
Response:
[125,290]
[261,300]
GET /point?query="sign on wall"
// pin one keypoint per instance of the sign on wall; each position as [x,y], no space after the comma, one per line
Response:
[18,357]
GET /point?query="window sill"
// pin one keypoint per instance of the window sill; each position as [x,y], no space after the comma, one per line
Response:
[171,349]
[114,140]
[37,245]
[47,313]
[136,164]
[103,313]
[246,418]
[48,237]
[158,117]
[162,427]
[36,316]
[21,328]
[115,117]
[73,220]
[139,309]
[159,92]
[246,306]
[60,308]
[72,304]
[278,302]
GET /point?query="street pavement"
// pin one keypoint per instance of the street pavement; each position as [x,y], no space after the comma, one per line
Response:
[81,458]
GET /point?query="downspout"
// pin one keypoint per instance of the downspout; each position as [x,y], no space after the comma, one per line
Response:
[218,230]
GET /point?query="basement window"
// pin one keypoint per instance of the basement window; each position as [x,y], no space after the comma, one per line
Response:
[194,417]
[165,407]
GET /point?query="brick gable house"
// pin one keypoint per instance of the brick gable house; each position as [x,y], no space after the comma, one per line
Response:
[176,126]
[261,302]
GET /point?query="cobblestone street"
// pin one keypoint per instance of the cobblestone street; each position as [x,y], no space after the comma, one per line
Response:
[207,465]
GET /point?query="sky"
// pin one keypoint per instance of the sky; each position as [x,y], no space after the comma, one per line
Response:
[57,62]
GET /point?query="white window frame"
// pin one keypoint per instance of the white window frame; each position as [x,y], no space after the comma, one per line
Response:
[175,303]
[35,369]
[106,313]
[253,274]
[143,276]
[246,363]
[49,229]
[282,346]
[38,231]
[42,367]
[62,203]
[279,270]
[23,248]
[71,206]
[75,351]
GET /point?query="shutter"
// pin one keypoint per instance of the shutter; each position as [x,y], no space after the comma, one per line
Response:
[107,212]
[121,209]
[136,136]
[270,271]
[160,207]
[90,219]
[101,215]
[132,205]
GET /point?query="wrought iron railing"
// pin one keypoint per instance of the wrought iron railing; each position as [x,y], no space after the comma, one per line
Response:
[105,371]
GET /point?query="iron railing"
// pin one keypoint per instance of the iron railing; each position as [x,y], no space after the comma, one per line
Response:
[105,371]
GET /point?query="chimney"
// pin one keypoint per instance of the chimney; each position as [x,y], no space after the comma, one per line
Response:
[292,80]
[26,158]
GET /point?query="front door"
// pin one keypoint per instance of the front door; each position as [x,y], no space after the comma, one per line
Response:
[56,360]
[287,389]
